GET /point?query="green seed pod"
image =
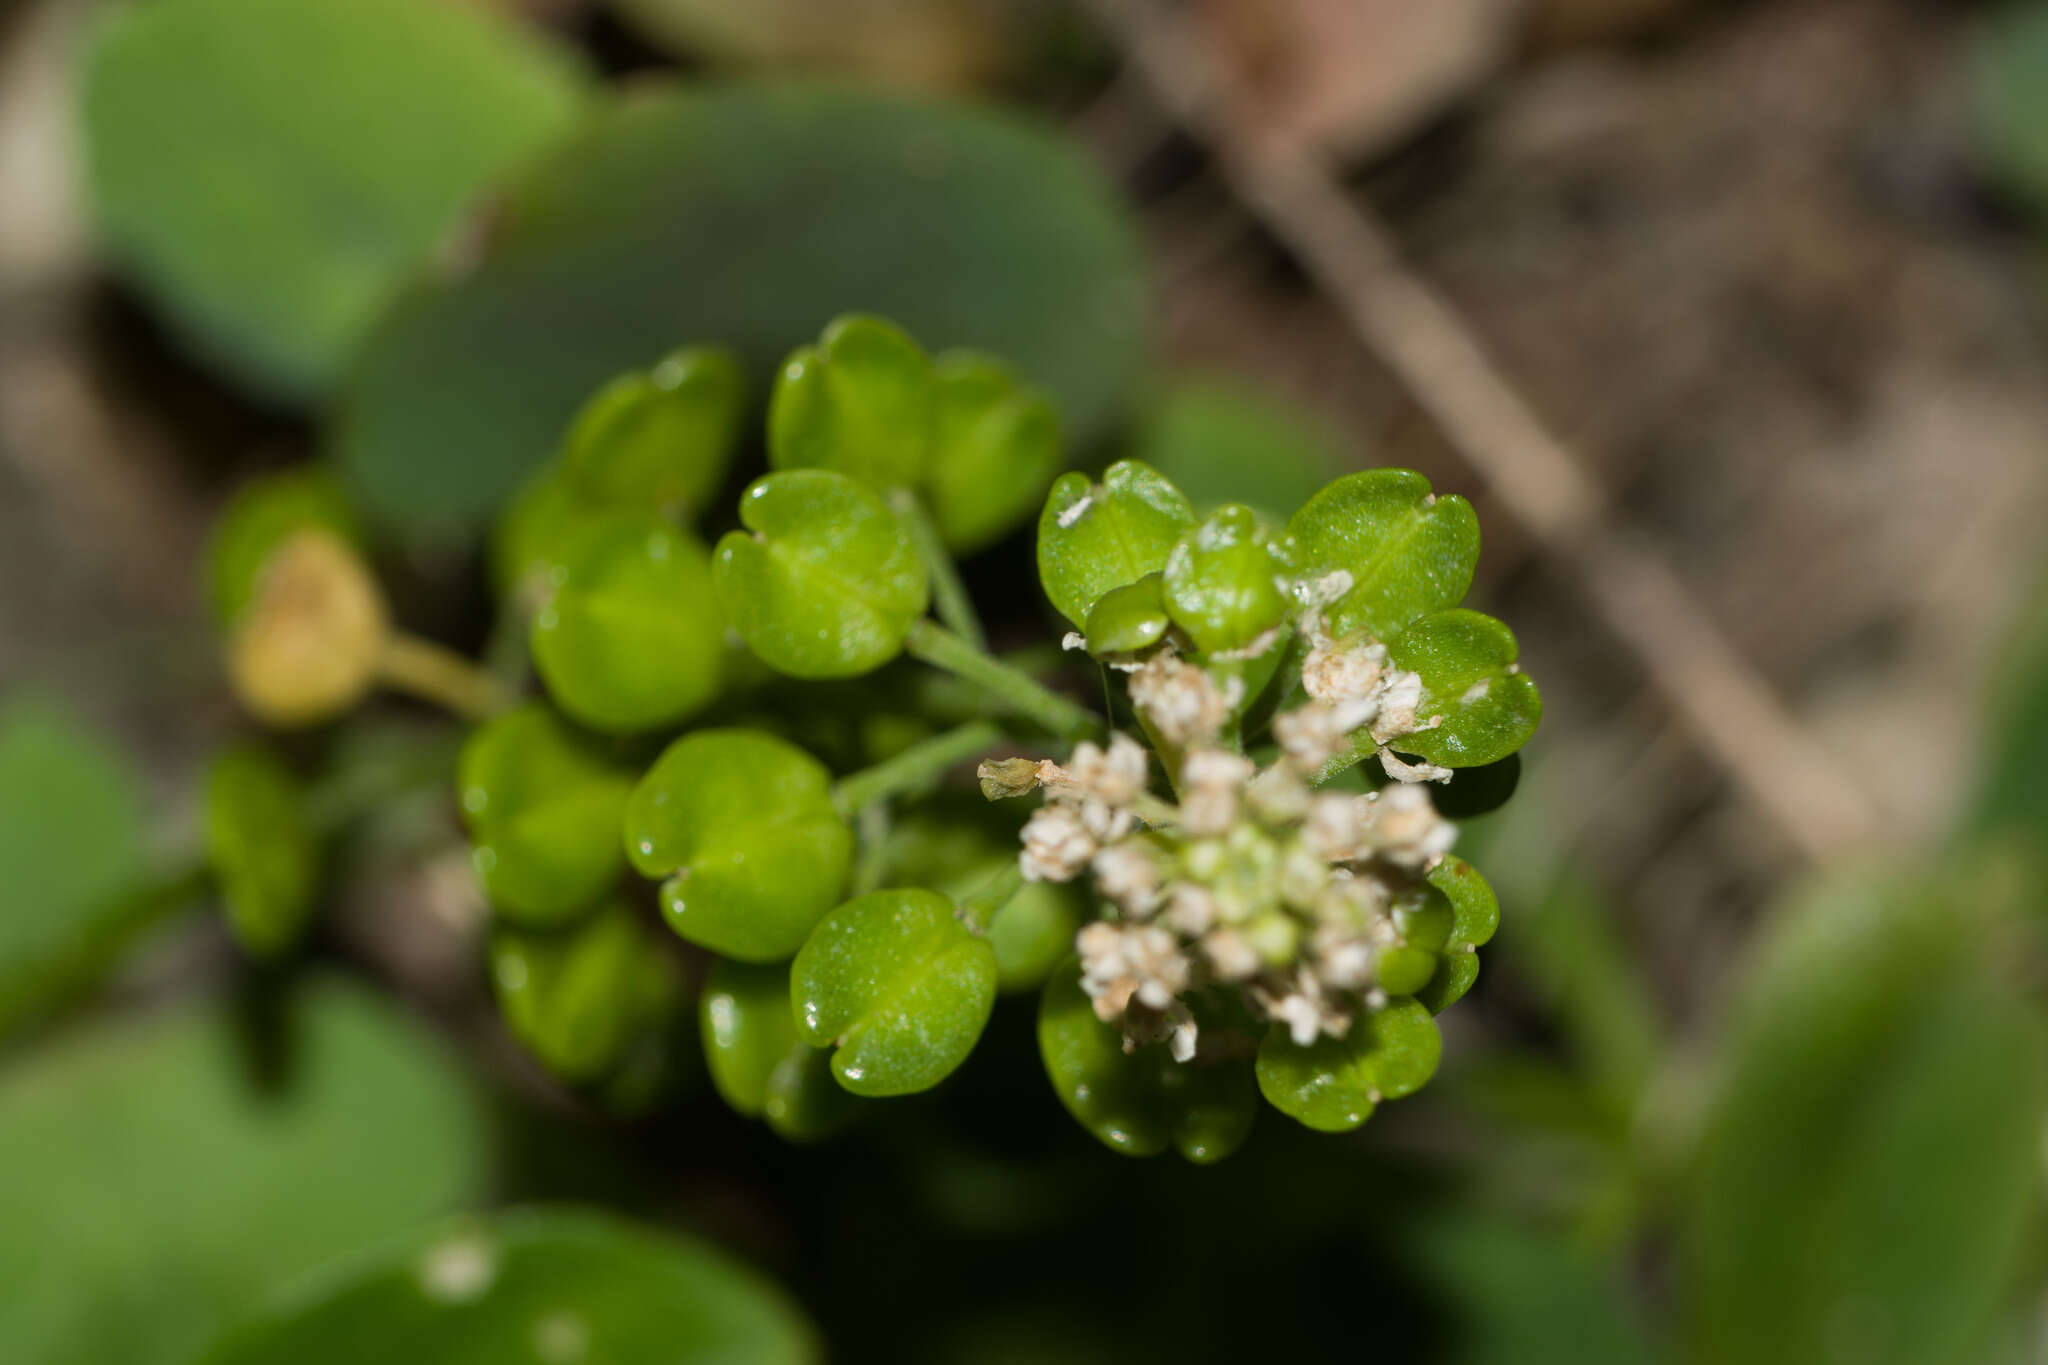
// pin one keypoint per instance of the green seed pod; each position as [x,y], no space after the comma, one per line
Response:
[1127,619]
[828,582]
[1093,537]
[631,637]
[1226,581]
[898,986]
[743,827]
[542,804]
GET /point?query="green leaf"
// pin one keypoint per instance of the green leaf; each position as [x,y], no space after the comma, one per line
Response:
[2011,797]
[1225,582]
[261,515]
[1032,932]
[759,1062]
[995,448]
[747,214]
[1141,1102]
[659,439]
[1490,707]
[1129,618]
[631,638]
[71,837]
[1221,441]
[1474,906]
[1871,1156]
[269,174]
[549,1286]
[1475,917]
[828,583]
[1094,537]
[1523,1295]
[1334,1084]
[898,986]
[860,402]
[578,998]
[933,44]
[2009,89]
[151,1194]
[1407,551]
[743,826]
[542,804]
[262,848]
[955,856]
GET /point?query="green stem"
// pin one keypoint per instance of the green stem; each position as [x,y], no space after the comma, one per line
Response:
[949,594]
[1019,691]
[979,906]
[918,766]
[439,675]
[873,865]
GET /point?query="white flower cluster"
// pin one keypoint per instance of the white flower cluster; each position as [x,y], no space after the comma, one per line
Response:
[1254,878]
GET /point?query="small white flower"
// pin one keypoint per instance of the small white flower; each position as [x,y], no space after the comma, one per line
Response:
[1335,828]
[1230,955]
[1404,827]
[1115,775]
[1399,698]
[1190,909]
[1331,673]
[1127,874]
[1182,701]
[1057,845]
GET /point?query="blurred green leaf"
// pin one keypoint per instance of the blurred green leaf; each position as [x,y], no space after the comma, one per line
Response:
[1096,537]
[825,581]
[1871,1156]
[71,837]
[542,804]
[934,43]
[1222,441]
[270,173]
[2012,791]
[2009,94]
[898,986]
[260,841]
[744,215]
[1406,550]
[1520,1295]
[660,439]
[743,826]
[579,998]
[151,1194]
[630,637]
[1568,945]
[546,1286]
[858,403]
[760,1063]
[996,445]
